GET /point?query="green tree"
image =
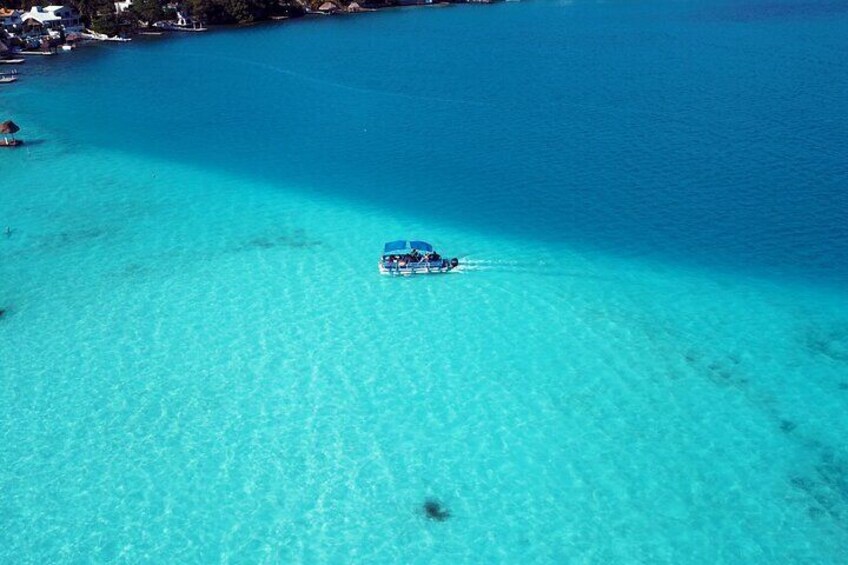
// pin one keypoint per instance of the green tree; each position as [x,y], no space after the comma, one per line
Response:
[148,11]
[204,10]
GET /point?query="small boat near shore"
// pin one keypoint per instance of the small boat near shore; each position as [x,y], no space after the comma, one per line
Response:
[88,34]
[12,61]
[170,26]
[404,257]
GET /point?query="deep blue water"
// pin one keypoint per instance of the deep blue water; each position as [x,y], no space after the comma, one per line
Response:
[701,132]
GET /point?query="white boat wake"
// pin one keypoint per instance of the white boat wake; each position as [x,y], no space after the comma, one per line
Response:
[470,264]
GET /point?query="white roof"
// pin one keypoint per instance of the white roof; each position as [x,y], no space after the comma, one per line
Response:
[41,18]
[42,15]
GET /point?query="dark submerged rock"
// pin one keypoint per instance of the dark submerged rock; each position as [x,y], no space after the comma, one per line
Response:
[815,512]
[298,240]
[434,510]
[829,342]
[826,485]
[261,243]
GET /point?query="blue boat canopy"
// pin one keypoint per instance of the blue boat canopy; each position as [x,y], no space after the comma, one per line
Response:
[421,245]
[402,244]
[394,246]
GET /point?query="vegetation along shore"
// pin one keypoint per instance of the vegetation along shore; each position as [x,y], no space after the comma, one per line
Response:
[26,26]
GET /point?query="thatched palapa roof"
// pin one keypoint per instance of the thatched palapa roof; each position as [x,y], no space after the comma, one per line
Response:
[327,7]
[9,127]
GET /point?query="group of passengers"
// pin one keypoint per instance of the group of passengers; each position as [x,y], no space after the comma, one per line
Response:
[414,256]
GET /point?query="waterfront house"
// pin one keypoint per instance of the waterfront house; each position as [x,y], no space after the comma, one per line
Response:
[35,27]
[54,18]
[71,19]
[10,20]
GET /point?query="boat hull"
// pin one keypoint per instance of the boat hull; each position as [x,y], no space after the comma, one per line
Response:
[423,268]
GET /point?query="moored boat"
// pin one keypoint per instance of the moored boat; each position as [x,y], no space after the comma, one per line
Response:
[88,34]
[404,257]
[171,26]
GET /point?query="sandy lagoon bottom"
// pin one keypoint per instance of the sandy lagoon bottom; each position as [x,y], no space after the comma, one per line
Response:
[202,367]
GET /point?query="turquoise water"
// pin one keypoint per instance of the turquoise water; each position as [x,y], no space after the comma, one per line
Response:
[645,358]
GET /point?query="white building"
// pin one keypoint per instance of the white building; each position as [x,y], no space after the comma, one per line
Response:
[53,18]
[123,6]
[184,20]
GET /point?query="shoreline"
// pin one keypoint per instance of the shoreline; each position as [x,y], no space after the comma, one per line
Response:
[317,15]
[50,43]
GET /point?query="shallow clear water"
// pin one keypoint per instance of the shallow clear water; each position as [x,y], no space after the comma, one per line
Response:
[645,359]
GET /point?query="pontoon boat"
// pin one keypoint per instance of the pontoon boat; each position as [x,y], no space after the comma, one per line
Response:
[404,257]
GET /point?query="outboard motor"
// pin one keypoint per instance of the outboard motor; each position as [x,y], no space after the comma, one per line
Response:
[454,263]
